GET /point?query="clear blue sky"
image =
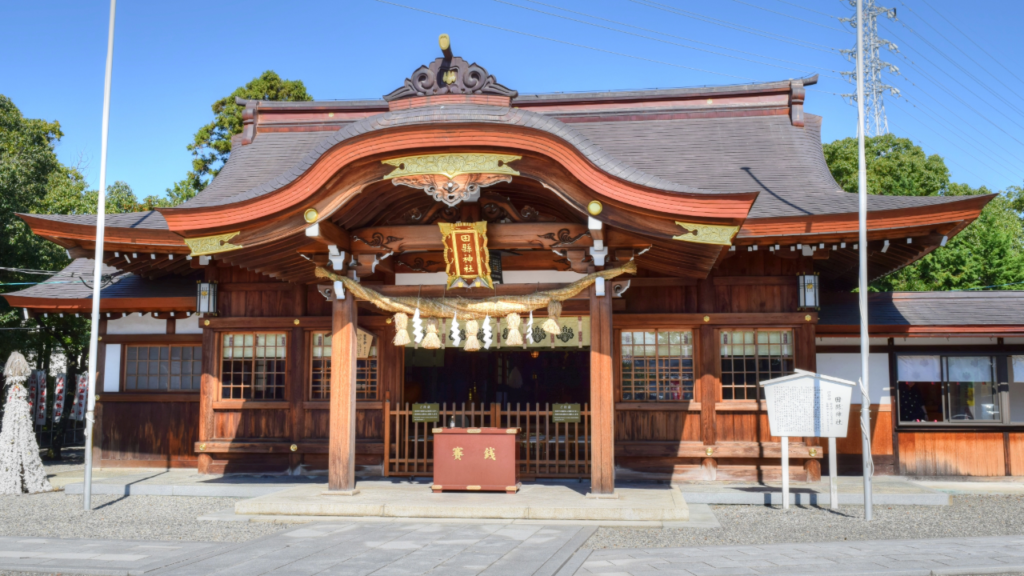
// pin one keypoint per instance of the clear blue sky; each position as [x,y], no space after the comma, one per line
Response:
[174,59]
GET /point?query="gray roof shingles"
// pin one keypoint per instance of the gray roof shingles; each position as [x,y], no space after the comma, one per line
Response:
[150,220]
[996,307]
[75,281]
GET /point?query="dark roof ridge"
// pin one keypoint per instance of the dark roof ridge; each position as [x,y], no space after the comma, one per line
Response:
[588,94]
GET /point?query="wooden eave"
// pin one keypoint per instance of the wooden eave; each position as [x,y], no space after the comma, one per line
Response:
[835,226]
[72,305]
[142,239]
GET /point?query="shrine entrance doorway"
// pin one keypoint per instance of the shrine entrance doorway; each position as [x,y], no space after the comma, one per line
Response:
[504,388]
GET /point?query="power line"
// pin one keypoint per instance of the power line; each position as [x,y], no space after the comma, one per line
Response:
[733,26]
[790,16]
[959,99]
[680,37]
[957,146]
[954,45]
[808,9]
[643,36]
[961,68]
[980,143]
[969,38]
[921,142]
[561,41]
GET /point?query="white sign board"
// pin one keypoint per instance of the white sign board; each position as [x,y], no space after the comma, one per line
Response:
[806,404]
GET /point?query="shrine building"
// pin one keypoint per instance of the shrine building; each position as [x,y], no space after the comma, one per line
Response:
[648,255]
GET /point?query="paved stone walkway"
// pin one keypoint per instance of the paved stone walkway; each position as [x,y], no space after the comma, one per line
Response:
[934,557]
[350,549]
[460,549]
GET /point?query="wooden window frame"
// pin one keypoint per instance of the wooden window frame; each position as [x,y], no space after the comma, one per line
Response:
[694,357]
[327,371]
[718,353]
[220,364]
[123,384]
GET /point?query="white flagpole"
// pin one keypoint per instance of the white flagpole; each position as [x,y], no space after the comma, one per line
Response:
[862,200]
[97,275]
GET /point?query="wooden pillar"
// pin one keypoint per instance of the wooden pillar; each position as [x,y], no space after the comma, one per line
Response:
[806,358]
[207,394]
[97,415]
[602,401]
[342,447]
[710,369]
[710,376]
[297,380]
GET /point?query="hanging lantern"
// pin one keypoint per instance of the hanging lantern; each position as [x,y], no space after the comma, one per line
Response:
[206,298]
[808,289]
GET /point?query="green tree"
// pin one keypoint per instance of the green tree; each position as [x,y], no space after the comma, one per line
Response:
[211,145]
[990,252]
[895,166]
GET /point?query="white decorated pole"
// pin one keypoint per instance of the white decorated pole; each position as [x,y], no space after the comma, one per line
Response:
[833,490]
[21,469]
[862,201]
[97,275]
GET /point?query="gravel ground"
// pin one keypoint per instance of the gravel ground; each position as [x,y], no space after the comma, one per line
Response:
[60,515]
[965,516]
[71,459]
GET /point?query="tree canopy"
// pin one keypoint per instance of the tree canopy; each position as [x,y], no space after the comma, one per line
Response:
[989,253]
[211,145]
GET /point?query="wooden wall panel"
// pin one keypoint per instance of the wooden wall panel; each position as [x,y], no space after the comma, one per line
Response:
[743,427]
[952,453]
[664,299]
[639,425]
[370,424]
[251,424]
[316,424]
[1015,449]
[157,433]
[881,433]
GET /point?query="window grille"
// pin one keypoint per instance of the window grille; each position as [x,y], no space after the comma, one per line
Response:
[161,367]
[751,356]
[253,366]
[657,365]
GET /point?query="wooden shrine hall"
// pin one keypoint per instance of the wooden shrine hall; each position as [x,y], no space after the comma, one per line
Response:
[693,241]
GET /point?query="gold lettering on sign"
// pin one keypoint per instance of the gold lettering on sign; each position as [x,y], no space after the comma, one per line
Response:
[452,165]
[212,244]
[707,233]
[489,454]
[457,452]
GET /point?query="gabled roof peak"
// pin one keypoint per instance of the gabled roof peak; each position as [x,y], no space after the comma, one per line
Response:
[450,74]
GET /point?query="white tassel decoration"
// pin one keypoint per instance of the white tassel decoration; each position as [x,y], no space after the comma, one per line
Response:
[456,339]
[417,327]
[487,333]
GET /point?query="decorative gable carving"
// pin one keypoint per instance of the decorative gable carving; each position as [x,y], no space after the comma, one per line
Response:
[450,75]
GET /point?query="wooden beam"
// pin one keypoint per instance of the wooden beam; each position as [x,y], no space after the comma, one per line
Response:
[341,475]
[329,234]
[518,236]
[716,319]
[602,396]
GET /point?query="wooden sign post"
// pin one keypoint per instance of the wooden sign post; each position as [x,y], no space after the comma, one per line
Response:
[806,404]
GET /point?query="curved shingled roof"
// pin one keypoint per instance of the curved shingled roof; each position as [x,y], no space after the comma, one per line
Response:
[277,152]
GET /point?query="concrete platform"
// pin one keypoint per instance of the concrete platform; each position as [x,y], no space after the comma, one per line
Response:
[536,501]
[179,482]
[886,490]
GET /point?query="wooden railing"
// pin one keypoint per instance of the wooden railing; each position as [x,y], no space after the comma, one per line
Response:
[546,449]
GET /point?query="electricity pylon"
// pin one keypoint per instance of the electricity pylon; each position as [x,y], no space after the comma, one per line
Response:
[874,87]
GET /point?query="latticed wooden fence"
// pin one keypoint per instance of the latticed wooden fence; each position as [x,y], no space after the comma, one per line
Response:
[547,449]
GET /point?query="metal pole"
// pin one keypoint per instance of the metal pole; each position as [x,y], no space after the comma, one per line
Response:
[862,197]
[833,490]
[785,472]
[97,274]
